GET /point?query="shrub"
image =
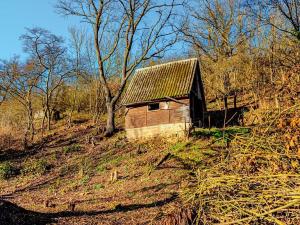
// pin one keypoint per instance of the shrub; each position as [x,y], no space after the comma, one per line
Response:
[71,148]
[6,170]
[38,167]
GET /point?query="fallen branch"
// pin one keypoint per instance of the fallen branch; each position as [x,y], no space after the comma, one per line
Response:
[163,159]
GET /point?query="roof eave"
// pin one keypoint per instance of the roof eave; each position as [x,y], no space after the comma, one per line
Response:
[155,100]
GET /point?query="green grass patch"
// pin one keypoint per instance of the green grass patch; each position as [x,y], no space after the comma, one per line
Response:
[109,162]
[68,169]
[219,133]
[101,168]
[35,167]
[179,146]
[85,179]
[6,170]
[86,167]
[98,187]
[192,153]
[71,148]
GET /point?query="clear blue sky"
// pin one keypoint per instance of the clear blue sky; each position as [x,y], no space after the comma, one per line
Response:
[16,15]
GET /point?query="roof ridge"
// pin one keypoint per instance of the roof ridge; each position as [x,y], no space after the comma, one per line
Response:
[167,63]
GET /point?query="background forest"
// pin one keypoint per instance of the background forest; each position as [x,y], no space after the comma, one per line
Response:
[247,49]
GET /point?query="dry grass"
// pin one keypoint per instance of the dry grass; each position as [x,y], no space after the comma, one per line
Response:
[256,180]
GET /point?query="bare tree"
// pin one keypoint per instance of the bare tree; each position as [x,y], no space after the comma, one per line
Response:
[4,88]
[284,15]
[19,82]
[49,56]
[219,32]
[77,46]
[137,30]
[216,28]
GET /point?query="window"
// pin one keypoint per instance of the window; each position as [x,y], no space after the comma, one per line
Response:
[153,106]
[165,105]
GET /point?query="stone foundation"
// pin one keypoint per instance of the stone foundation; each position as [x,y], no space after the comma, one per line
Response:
[164,130]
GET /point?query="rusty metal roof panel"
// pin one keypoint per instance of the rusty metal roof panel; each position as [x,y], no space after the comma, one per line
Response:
[173,79]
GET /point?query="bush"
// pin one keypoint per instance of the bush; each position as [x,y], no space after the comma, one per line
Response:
[6,170]
[38,167]
[71,148]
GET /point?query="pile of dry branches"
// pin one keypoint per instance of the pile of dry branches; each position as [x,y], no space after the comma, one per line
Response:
[257,181]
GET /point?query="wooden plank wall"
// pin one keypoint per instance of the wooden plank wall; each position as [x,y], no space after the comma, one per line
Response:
[140,116]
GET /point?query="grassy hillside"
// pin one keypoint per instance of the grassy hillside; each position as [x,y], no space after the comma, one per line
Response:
[237,175]
[108,180]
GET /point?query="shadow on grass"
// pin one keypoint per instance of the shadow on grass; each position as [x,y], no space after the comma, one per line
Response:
[30,187]
[12,214]
[13,154]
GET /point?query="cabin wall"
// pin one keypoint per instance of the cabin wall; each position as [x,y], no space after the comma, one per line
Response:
[141,122]
[141,117]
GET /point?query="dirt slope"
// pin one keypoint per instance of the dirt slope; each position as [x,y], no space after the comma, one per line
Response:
[73,177]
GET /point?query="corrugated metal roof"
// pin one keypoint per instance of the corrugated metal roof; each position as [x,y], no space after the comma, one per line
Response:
[173,79]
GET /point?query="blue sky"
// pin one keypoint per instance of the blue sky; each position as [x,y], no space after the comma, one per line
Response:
[16,15]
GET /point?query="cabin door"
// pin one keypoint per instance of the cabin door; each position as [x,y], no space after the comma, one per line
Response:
[196,110]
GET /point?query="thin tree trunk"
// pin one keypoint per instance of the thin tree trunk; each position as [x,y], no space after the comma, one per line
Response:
[30,125]
[110,123]
[97,104]
[43,123]
[235,100]
[49,120]
[30,122]
[225,110]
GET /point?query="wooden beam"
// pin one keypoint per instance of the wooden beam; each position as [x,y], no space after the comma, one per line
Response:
[175,100]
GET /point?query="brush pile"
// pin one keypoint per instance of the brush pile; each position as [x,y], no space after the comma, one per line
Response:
[257,179]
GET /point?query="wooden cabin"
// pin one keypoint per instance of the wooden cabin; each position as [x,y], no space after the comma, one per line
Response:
[166,99]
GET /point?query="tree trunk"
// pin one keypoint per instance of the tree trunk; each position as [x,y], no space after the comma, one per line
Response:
[48,119]
[235,100]
[43,123]
[225,111]
[30,126]
[110,123]
[30,122]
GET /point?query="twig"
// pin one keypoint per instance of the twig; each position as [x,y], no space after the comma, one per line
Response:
[265,213]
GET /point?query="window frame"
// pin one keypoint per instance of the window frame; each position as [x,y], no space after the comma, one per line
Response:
[154,103]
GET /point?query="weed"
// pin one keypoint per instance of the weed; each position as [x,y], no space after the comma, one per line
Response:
[85,167]
[178,146]
[219,133]
[85,179]
[109,162]
[130,194]
[6,170]
[98,187]
[149,168]
[71,148]
[101,168]
[66,169]
[38,167]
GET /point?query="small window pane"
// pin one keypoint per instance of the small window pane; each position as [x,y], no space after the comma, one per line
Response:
[153,106]
[165,105]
